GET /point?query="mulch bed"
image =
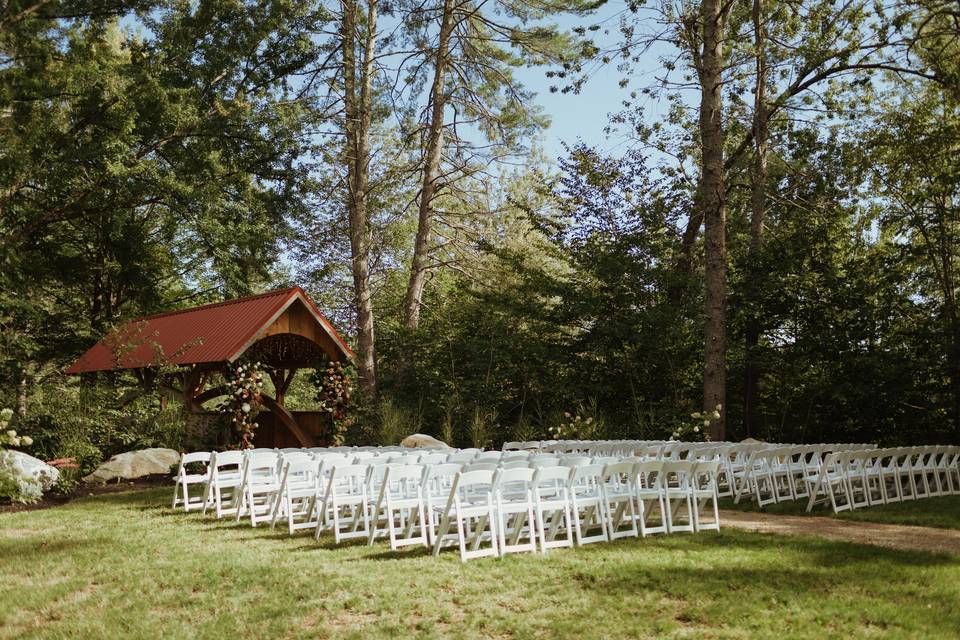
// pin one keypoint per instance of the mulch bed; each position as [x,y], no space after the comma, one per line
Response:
[52,499]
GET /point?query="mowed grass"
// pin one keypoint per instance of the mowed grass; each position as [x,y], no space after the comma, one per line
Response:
[126,566]
[942,512]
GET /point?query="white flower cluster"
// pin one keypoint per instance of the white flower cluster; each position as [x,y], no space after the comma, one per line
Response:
[15,483]
[243,403]
[703,423]
[576,427]
[9,437]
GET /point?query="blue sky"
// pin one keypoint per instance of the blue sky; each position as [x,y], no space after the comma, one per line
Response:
[584,116]
[580,116]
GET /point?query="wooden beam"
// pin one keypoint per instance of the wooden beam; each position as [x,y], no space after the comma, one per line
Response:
[289,378]
[284,416]
[281,382]
[277,376]
[172,392]
[210,394]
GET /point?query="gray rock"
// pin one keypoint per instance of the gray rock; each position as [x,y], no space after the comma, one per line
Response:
[30,467]
[134,464]
[422,441]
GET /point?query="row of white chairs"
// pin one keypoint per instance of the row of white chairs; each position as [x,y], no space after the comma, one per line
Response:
[855,479]
[766,472]
[484,503]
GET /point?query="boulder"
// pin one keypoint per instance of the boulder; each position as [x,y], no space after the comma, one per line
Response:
[34,468]
[134,464]
[422,441]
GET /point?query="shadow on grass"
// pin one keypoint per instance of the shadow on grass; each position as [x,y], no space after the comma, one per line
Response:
[24,550]
[154,503]
[405,553]
[940,512]
[817,551]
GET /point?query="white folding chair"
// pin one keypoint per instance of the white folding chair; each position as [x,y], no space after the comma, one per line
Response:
[184,480]
[703,480]
[830,484]
[224,483]
[619,499]
[586,504]
[918,473]
[299,483]
[470,508]
[725,475]
[344,504]
[908,485]
[781,470]
[678,495]
[952,466]
[939,471]
[572,461]
[258,487]
[757,479]
[890,475]
[857,479]
[400,502]
[513,499]
[650,493]
[489,465]
[873,479]
[931,477]
[437,485]
[542,460]
[551,496]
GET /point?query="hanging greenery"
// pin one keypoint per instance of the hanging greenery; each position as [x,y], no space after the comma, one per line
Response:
[245,401]
[333,395]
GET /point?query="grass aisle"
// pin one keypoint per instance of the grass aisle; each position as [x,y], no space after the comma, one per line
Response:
[124,565]
[941,512]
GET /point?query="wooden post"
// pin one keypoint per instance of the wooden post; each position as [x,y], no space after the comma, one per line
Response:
[281,382]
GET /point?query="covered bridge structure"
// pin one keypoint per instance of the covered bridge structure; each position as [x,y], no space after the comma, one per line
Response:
[181,352]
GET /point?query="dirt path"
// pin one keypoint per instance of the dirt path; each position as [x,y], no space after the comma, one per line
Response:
[895,536]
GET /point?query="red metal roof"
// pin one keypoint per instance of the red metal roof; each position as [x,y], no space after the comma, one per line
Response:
[216,332]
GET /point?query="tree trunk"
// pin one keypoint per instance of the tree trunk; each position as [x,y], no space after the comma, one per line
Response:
[357,119]
[22,396]
[431,173]
[758,204]
[953,373]
[688,243]
[714,215]
[953,331]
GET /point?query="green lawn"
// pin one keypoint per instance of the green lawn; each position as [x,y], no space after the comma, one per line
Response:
[124,565]
[943,512]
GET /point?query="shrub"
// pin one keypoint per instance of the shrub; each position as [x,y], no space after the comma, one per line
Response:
[66,437]
[14,484]
[525,430]
[99,422]
[395,423]
[483,424]
[447,429]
